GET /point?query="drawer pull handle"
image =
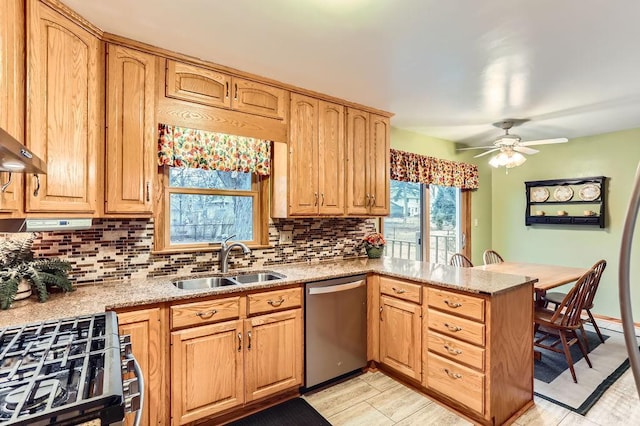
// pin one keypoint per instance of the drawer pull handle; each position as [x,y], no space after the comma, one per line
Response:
[452,304]
[453,375]
[239,342]
[381,314]
[399,290]
[207,314]
[453,328]
[249,343]
[452,351]
[276,303]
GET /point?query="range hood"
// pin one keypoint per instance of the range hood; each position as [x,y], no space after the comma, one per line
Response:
[16,158]
[37,225]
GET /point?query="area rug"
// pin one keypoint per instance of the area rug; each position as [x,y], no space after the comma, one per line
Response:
[294,412]
[553,381]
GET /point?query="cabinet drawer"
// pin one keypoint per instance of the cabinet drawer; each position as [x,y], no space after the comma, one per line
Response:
[456,303]
[206,312]
[273,300]
[457,327]
[456,350]
[400,289]
[460,383]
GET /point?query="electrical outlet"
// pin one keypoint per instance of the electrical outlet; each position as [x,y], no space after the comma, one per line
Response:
[286,237]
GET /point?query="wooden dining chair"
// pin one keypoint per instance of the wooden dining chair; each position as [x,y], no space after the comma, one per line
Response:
[558,327]
[490,256]
[460,260]
[556,297]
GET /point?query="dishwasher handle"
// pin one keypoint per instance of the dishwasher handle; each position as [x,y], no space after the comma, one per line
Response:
[337,288]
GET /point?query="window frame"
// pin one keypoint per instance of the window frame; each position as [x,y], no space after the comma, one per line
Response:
[162,224]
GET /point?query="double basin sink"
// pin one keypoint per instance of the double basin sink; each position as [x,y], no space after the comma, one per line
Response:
[213,282]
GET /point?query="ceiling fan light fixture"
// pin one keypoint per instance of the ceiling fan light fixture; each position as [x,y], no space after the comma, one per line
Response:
[508,159]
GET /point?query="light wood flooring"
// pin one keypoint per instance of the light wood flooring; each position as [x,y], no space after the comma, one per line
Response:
[374,399]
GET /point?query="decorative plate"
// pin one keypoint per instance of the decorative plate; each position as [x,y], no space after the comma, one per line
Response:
[563,193]
[539,194]
[589,192]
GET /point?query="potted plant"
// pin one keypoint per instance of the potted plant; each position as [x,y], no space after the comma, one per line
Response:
[374,245]
[19,269]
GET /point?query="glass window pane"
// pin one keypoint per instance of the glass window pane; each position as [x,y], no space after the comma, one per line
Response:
[208,179]
[403,227]
[210,218]
[444,227]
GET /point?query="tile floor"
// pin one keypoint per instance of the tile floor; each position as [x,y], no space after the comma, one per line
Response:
[374,399]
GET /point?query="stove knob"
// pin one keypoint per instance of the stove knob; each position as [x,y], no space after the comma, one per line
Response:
[130,386]
[127,365]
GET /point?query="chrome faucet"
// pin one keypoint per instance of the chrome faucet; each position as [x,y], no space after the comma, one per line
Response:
[225,248]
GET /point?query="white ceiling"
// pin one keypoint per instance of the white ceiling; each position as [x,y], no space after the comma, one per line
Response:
[446,68]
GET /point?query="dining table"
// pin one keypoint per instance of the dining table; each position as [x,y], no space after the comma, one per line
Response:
[549,276]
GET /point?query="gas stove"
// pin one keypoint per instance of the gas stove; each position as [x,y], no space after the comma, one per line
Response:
[65,372]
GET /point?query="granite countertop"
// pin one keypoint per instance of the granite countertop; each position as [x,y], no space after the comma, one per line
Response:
[94,298]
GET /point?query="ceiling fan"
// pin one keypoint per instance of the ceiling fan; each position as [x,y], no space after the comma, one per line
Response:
[511,146]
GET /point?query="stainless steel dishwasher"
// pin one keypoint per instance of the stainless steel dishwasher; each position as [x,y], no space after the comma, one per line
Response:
[335,328]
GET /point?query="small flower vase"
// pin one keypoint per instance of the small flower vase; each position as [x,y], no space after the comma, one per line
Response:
[375,252]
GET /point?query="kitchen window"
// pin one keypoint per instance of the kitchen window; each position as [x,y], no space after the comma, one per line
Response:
[214,186]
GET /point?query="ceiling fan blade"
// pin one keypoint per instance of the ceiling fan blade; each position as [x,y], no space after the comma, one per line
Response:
[475,147]
[544,142]
[525,150]
[486,152]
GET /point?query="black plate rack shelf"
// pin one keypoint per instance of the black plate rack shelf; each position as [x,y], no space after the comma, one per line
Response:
[576,201]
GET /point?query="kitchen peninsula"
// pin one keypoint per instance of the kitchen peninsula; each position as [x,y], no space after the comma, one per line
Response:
[462,336]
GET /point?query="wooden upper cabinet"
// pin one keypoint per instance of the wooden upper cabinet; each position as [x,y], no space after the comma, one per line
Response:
[331,159]
[379,162]
[64,112]
[316,157]
[12,93]
[131,130]
[195,84]
[143,326]
[207,87]
[368,143]
[257,98]
[303,156]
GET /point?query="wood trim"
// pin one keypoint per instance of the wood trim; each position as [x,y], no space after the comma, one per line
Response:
[465,221]
[373,317]
[112,38]
[71,14]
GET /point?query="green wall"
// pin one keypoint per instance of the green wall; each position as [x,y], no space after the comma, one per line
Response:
[614,155]
[499,204]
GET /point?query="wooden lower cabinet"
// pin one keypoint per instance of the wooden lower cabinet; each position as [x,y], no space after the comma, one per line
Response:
[145,328]
[401,336]
[475,351]
[206,370]
[274,353]
[219,366]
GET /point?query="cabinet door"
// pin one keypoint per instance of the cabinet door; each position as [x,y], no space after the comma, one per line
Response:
[257,98]
[378,167]
[358,196]
[331,158]
[146,343]
[274,353]
[401,336]
[303,156]
[64,114]
[130,159]
[195,84]
[206,370]
[12,92]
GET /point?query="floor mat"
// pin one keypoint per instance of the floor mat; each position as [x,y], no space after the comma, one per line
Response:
[295,412]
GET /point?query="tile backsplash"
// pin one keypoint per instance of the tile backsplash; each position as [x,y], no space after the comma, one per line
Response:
[116,249]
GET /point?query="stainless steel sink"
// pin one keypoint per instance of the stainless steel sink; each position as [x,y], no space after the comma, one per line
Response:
[209,282]
[212,282]
[258,277]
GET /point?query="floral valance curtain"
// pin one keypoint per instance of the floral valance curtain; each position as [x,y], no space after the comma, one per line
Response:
[190,148]
[410,167]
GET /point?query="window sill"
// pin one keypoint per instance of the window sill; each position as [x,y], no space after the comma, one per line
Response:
[202,249]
